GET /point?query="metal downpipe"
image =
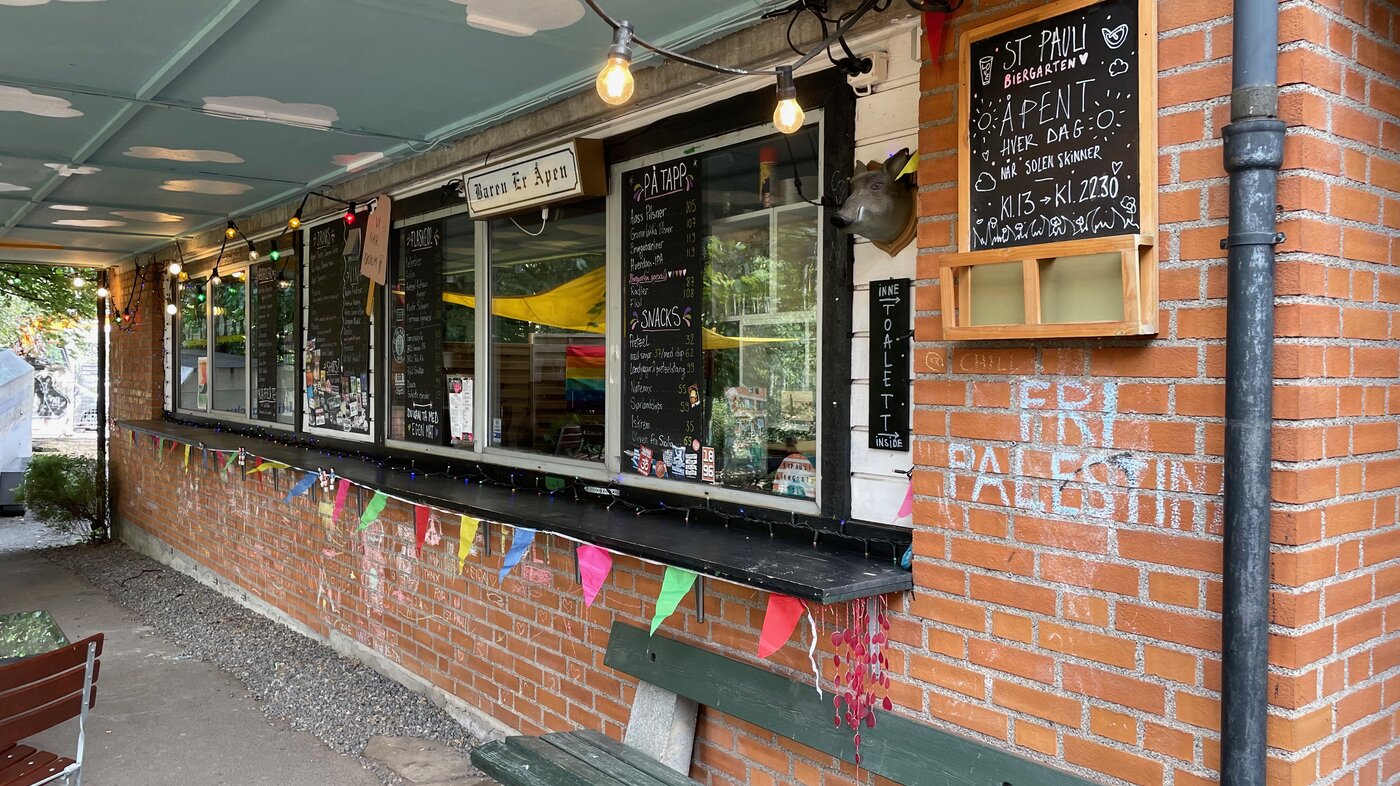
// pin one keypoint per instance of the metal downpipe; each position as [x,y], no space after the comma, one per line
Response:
[1253,155]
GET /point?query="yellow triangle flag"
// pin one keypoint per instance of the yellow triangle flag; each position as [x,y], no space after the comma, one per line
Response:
[265,466]
[187,458]
[912,166]
[466,540]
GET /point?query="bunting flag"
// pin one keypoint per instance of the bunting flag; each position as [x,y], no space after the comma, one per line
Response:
[341,493]
[187,458]
[674,585]
[422,517]
[267,465]
[812,654]
[906,508]
[594,564]
[324,508]
[301,487]
[160,450]
[779,621]
[519,544]
[228,462]
[372,510]
[466,541]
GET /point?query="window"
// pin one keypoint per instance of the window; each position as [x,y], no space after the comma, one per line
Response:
[192,341]
[432,343]
[272,343]
[548,288]
[228,375]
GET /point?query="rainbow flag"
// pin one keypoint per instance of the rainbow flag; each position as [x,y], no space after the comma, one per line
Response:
[584,381]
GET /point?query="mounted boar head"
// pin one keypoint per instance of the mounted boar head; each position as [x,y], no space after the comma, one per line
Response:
[881,204]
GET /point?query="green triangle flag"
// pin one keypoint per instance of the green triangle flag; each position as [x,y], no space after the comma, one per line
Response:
[372,510]
[674,585]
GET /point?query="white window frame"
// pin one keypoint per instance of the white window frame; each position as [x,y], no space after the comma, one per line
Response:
[371,387]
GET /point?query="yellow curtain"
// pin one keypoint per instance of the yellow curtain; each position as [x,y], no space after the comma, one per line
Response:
[569,306]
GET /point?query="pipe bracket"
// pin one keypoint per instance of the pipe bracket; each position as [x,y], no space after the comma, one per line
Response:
[1252,239]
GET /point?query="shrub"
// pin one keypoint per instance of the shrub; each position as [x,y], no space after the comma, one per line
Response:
[61,491]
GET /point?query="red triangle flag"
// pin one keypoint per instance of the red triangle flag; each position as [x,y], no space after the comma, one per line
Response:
[778,623]
[421,514]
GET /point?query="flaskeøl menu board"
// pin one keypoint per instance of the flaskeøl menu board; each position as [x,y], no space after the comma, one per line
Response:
[337,350]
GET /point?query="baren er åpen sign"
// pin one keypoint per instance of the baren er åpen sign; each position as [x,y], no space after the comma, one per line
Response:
[563,173]
[1057,185]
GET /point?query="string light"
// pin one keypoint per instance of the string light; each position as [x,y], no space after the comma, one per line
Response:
[216,279]
[253,254]
[79,282]
[788,116]
[174,268]
[350,215]
[102,293]
[231,231]
[274,254]
[171,309]
[615,84]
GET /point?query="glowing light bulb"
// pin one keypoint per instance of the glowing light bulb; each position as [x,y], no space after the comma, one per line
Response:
[253,255]
[216,279]
[615,84]
[102,293]
[294,223]
[79,282]
[171,309]
[350,215]
[788,116]
[231,231]
[174,268]
[274,254]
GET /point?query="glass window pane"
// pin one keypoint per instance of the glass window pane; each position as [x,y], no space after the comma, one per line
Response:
[760,313]
[432,358]
[272,350]
[228,376]
[194,345]
[547,331]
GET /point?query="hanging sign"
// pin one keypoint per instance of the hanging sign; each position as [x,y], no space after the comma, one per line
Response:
[663,375]
[562,173]
[889,364]
[425,399]
[336,359]
[374,259]
[1053,116]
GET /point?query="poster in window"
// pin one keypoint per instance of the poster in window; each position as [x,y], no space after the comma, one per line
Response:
[337,351]
[461,408]
[425,403]
[663,377]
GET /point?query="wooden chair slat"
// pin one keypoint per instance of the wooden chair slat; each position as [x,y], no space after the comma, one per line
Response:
[39,694]
[514,765]
[608,756]
[46,717]
[19,770]
[39,667]
[635,758]
[13,752]
[59,764]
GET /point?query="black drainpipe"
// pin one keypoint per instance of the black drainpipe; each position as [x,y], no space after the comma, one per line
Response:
[1253,156]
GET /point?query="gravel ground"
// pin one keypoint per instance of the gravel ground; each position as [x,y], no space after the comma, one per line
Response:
[297,681]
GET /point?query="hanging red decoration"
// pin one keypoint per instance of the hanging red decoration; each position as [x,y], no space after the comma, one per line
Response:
[862,668]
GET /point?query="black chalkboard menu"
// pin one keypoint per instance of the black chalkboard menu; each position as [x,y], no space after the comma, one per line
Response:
[425,397]
[889,364]
[266,339]
[337,332]
[1053,138]
[663,375]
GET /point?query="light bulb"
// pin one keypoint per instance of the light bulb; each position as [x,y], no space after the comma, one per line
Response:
[174,268]
[102,293]
[171,309]
[788,116]
[274,254]
[253,255]
[350,215]
[294,223]
[79,282]
[238,274]
[615,84]
[231,231]
[215,279]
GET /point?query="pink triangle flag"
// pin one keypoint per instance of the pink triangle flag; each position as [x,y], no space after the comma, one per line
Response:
[594,564]
[422,514]
[907,508]
[341,493]
[778,623]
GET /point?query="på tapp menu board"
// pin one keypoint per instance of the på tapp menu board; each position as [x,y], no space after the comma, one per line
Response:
[663,376]
[425,398]
[337,350]
[1053,129]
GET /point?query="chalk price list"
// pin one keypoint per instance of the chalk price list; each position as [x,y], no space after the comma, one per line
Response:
[1054,123]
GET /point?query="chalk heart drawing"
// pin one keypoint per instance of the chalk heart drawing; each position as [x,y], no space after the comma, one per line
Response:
[69,208]
[1115,37]
[12,187]
[214,187]
[354,161]
[270,110]
[17,99]
[185,156]
[64,170]
[985,182]
[1118,67]
[148,216]
[88,223]
[521,17]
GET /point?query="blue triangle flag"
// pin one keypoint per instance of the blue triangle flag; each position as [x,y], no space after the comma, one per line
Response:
[518,545]
[302,485]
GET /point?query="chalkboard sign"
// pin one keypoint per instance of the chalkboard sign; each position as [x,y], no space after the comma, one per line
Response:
[337,332]
[889,364]
[662,371]
[1053,118]
[425,399]
[266,339]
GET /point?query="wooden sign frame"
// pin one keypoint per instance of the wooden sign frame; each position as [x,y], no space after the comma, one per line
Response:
[1138,251]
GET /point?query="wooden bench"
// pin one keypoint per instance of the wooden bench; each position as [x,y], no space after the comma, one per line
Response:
[38,693]
[898,748]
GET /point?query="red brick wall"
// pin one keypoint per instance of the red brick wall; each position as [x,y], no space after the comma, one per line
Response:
[1068,518]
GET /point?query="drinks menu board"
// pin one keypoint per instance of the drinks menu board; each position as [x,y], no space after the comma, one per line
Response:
[266,339]
[1054,129]
[337,332]
[425,400]
[663,379]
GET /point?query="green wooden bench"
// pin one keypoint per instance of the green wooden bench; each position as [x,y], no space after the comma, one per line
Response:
[898,748]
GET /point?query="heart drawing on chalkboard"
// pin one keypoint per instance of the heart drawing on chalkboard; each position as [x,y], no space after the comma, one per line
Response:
[1115,37]
[1117,165]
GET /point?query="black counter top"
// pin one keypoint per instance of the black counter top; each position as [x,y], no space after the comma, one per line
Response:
[778,564]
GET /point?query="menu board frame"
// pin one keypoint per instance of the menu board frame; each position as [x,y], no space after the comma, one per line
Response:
[1137,250]
[304,363]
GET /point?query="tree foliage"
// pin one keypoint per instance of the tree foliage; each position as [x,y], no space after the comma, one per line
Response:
[61,491]
[39,296]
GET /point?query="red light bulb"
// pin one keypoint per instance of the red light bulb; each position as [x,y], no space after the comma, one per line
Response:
[350,216]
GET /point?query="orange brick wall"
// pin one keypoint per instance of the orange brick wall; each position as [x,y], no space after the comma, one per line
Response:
[1068,518]
[1069,491]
